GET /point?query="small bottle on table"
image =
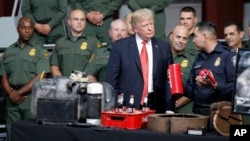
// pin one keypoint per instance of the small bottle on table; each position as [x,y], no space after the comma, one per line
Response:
[131,105]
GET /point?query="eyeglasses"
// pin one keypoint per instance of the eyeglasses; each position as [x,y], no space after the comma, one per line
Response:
[78,20]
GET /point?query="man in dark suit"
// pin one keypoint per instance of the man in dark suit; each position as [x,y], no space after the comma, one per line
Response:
[124,71]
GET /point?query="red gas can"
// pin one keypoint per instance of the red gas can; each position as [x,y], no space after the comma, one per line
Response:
[175,78]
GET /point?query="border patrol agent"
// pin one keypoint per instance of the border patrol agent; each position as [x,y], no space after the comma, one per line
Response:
[190,46]
[98,65]
[99,15]
[46,12]
[178,41]
[22,64]
[186,61]
[73,53]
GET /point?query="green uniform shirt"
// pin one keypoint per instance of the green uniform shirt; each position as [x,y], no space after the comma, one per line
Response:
[73,53]
[190,46]
[106,7]
[157,6]
[50,12]
[98,66]
[186,61]
[23,64]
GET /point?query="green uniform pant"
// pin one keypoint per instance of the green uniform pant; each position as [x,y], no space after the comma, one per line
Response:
[16,113]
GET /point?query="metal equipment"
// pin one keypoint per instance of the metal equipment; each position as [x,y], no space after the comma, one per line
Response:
[64,100]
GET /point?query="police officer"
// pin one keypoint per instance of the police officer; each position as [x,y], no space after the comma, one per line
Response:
[73,52]
[157,6]
[97,67]
[47,15]
[22,64]
[178,41]
[99,15]
[218,60]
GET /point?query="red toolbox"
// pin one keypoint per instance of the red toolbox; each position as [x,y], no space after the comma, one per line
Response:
[126,120]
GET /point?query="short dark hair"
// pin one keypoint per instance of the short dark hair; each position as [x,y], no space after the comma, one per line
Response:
[238,26]
[207,26]
[25,18]
[188,9]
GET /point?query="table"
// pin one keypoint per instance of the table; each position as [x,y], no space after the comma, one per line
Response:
[29,130]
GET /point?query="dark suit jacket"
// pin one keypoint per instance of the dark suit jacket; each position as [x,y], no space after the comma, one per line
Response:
[125,75]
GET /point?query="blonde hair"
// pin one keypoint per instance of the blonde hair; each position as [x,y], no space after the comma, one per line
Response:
[140,15]
[128,17]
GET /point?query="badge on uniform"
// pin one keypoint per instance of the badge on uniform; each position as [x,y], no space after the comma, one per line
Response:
[84,45]
[217,62]
[184,63]
[99,44]
[46,54]
[32,52]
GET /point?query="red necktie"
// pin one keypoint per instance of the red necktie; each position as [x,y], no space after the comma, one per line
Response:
[144,66]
